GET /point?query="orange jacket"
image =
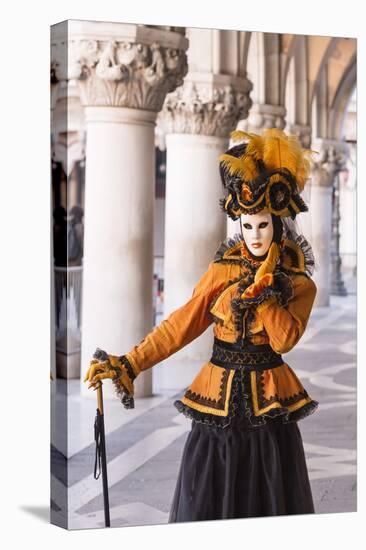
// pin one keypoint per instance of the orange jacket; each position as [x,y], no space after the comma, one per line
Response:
[267,322]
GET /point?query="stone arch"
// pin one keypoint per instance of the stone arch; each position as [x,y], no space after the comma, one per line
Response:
[335,81]
[297,78]
[290,93]
[272,68]
[341,99]
[326,45]
[245,39]
[319,107]
[289,47]
[255,62]
[264,71]
[263,61]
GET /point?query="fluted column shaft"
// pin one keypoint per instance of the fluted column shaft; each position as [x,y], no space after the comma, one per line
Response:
[303,133]
[331,157]
[124,73]
[118,238]
[197,120]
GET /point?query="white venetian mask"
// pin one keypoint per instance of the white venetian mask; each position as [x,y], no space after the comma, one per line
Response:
[257,232]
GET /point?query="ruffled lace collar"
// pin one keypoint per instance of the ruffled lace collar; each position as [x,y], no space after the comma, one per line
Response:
[234,250]
[296,255]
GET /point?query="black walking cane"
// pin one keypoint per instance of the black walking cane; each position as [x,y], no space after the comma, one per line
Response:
[99,436]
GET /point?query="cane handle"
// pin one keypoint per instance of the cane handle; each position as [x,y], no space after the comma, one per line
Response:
[100,396]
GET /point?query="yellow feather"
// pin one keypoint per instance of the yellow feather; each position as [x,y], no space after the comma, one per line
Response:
[243,166]
[232,164]
[285,151]
[254,144]
[276,149]
[238,135]
[302,173]
[250,168]
[279,151]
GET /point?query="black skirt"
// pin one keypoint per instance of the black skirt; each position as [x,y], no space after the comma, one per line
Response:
[242,470]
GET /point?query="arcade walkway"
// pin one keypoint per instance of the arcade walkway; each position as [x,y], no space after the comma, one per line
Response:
[144,445]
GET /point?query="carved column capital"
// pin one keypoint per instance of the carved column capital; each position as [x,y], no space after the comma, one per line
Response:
[331,159]
[58,65]
[262,116]
[122,65]
[206,104]
[303,133]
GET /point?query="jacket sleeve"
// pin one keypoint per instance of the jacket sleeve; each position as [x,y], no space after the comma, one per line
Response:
[286,324]
[180,327]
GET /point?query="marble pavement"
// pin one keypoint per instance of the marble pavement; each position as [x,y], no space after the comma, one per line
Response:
[144,445]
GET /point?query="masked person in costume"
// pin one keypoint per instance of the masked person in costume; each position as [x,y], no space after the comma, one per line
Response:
[244,455]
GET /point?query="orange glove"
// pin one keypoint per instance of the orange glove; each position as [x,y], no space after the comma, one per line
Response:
[119,370]
[268,289]
[256,288]
[269,264]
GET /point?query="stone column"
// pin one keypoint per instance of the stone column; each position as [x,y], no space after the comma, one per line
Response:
[303,133]
[53,374]
[322,179]
[337,287]
[68,148]
[348,203]
[58,64]
[197,120]
[262,116]
[124,73]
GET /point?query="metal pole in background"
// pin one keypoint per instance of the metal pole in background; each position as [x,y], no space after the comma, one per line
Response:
[338,287]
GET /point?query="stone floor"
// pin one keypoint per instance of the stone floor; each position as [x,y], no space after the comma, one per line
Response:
[144,445]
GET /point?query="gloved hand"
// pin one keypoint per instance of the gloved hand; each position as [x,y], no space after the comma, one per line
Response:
[269,264]
[256,288]
[266,287]
[116,368]
[269,288]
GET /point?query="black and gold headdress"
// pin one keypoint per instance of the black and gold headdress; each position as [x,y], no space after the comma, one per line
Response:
[265,172]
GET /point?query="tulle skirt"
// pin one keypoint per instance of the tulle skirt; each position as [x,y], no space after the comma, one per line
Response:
[242,471]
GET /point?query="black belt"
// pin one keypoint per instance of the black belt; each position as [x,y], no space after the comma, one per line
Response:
[244,356]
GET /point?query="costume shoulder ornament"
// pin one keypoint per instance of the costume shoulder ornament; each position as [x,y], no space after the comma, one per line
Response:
[230,250]
[296,254]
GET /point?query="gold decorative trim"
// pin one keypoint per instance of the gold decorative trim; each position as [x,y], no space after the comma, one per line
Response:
[299,404]
[266,303]
[275,404]
[300,256]
[135,366]
[211,410]
[230,253]
[214,308]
